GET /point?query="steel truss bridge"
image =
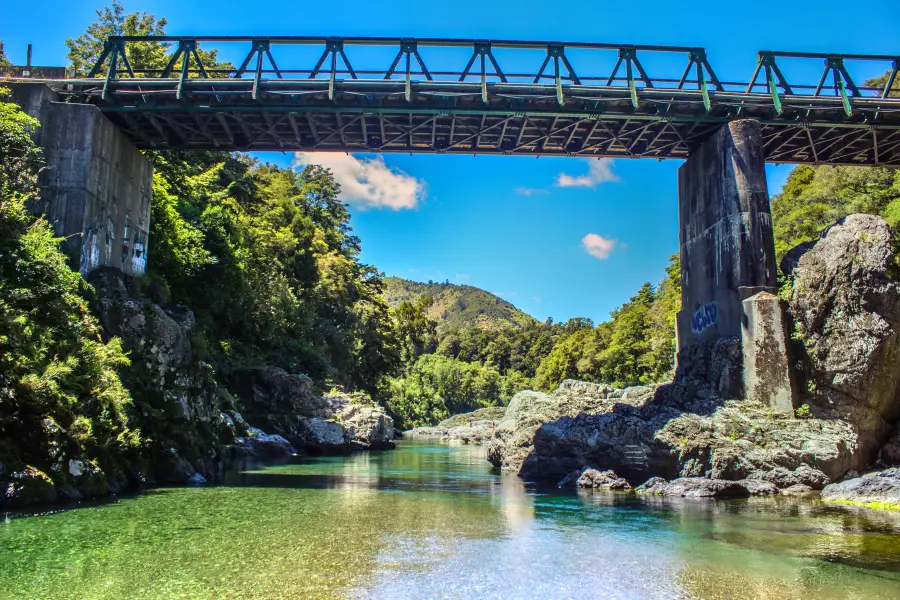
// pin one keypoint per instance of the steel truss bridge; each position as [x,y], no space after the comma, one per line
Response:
[503,97]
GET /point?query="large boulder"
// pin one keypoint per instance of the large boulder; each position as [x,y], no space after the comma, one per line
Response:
[366,425]
[879,488]
[847,306]
[672,431]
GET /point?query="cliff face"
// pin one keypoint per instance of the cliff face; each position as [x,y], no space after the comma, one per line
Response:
[193,422]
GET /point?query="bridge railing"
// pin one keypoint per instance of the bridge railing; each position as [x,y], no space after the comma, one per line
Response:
[506,65]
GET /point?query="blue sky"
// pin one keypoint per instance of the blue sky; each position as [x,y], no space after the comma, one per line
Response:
[505,223]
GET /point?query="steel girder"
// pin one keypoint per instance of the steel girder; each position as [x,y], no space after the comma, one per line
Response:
[561,107]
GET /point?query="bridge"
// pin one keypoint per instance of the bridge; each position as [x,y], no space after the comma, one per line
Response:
[483,97]
[487,97]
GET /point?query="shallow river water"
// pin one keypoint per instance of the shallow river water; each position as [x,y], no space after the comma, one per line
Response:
[435,521]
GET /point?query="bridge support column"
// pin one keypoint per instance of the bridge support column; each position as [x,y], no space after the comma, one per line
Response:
[97,187]
[727,257]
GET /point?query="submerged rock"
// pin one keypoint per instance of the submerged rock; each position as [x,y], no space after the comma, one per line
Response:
[881,487]
[258,444]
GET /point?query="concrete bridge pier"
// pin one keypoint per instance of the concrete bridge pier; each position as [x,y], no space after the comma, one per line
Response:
[97,187]
[728,270]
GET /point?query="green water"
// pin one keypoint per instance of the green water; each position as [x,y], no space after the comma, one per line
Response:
[434,521]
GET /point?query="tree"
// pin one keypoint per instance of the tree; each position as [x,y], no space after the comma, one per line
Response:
[815,197]
[4,60]
[86,49]
[415,331]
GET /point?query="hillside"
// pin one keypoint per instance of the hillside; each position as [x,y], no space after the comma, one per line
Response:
[457,306]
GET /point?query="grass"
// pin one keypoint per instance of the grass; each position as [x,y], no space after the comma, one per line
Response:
[875,505]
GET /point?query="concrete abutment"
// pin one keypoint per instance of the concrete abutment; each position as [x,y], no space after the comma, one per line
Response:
[97,187]
[728,270]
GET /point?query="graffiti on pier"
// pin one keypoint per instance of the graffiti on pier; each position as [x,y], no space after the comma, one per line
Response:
[704,317]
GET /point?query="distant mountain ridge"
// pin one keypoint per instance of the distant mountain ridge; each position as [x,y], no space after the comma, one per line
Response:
[458,306]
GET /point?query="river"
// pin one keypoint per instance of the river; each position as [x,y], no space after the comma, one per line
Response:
[430,520]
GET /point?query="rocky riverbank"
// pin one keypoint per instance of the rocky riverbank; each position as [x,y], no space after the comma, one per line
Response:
[194,422]
[469,428]
[686,438]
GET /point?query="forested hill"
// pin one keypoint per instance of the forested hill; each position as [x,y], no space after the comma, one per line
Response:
[457,306]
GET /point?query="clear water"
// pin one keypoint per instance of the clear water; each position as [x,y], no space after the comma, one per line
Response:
[435,521]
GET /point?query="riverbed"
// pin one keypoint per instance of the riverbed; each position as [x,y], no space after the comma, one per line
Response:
[431,520]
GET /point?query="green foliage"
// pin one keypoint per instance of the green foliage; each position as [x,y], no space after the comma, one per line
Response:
[20,159]
[416,332]
[86,49]
[4,60]
[59,383]
[803,412]
[266,259]
[815,197]
[436,387]
[636,346]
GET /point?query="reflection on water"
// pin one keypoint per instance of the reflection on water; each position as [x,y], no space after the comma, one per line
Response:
[434,521]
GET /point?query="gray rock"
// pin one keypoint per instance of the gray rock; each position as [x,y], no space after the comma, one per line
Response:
[757,487]
[28,487]
[319,433]
[604,480]
[798,489]
[258,444]
[475,427]
[282,403]
[890,452]
[366,424]
[881,487]
[802,475]
[848,308]
[654,485]
[814,478]
[695,487]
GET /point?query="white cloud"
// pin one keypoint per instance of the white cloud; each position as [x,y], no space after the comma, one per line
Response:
[598,246]
[599,171]
[524,191]
[367,182]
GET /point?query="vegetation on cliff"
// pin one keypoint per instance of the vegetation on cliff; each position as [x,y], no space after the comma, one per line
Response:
[60,392]
[264,256]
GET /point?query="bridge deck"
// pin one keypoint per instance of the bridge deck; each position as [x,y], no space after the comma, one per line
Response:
[607,111]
